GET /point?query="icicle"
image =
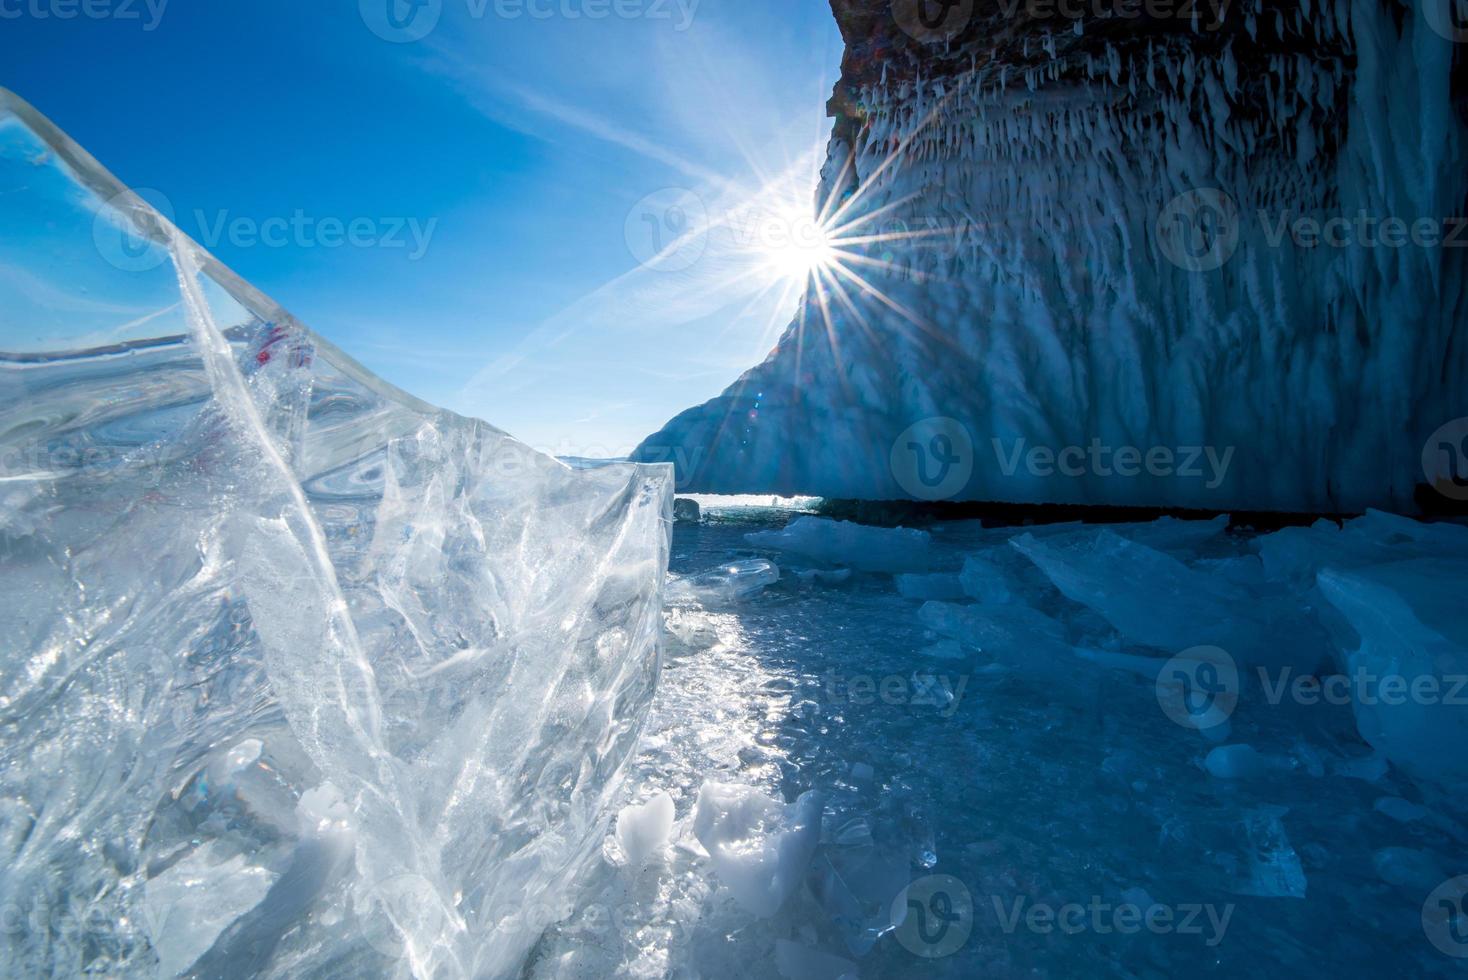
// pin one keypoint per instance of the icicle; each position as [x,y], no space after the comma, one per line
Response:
[1230,73]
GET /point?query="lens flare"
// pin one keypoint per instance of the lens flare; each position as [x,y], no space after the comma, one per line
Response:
[800,252]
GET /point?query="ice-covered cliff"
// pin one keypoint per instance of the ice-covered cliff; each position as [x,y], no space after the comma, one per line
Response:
[300,676]
[1205,255]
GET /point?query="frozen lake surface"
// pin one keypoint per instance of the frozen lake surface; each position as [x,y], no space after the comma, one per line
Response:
[1012,763]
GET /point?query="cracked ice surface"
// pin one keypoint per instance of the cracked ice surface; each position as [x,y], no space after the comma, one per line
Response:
[302,677]
[1015,739]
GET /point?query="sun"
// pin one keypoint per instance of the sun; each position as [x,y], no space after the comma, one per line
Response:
[820,242]
[795,247]
[798,262]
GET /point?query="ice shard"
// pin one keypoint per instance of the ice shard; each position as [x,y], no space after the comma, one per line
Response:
[1190,257]
[301,676]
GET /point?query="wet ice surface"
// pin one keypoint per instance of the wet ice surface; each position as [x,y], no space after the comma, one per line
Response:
[1015,753]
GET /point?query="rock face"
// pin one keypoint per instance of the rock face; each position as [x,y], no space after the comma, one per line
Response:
[1151,253]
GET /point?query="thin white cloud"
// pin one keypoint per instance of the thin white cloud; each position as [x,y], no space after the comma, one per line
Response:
[44,294]
[709,109]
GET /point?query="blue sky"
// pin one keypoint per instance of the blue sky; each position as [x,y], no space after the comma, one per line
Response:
[509,178]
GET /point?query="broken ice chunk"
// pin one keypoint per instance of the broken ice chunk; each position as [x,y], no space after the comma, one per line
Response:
[342,585]
[760,848]
[994,630]
[935,586]
[689,630]
[944,650]
[727,583]
[936,691]
[1019,640]
[1408,672]
[1408,868]
[1173,535]
[1245,570]
[191,903]
[866,549]
[1296,555]
[1274,869]
[643,830]
[322,813]
[1236,762]
[1154,599]
[856,881]
[985,580]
